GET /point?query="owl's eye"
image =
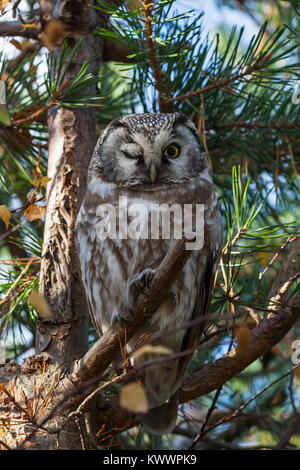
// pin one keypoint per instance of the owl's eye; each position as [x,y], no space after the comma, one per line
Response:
[172,151]
[132,156]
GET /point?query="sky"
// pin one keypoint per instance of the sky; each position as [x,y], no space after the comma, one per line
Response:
[214,16]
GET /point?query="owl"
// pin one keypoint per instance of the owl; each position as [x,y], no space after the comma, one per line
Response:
[149,160]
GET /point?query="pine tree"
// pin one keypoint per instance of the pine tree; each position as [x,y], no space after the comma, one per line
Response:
[79,65]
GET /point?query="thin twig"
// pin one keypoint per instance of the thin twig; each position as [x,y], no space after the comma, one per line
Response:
[238,411]
[34,116]
[291,393]
[288,433]
[5,445]
[289,240]
[205,421]
[22,273]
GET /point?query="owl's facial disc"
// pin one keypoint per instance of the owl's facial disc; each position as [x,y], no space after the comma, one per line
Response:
[151,149]
[149,158]
[152,161]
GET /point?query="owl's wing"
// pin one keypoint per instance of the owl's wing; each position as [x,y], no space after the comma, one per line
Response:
[201,308]
[95,319]
[211,251]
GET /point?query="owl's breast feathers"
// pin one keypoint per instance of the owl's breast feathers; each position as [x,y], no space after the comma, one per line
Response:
[107,266]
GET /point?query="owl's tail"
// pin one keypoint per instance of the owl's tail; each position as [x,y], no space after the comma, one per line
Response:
[161,420]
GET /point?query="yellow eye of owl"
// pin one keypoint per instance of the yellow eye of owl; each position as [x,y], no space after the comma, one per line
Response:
[172,151]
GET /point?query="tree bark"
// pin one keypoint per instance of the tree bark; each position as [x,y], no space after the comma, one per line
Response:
[72,138]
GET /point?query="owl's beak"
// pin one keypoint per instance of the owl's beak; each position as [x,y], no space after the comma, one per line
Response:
[153,172]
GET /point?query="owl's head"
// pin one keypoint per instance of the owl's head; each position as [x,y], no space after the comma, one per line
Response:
[149,149]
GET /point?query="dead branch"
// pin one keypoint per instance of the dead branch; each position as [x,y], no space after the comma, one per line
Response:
[16,28]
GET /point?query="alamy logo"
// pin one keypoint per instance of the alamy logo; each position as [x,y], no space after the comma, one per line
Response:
[143,220]
[2,93]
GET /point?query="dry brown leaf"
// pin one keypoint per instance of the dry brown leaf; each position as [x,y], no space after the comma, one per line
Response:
[5,215]
[243,336]
[39,302]
[53,33]
[3,5]
[25,43]
[276,350]
[17,44]
[133,398]
[150,349]
[133,5]
[35,212]
[31,196]
[262,257]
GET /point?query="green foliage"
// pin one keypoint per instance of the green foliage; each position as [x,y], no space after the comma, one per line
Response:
[116,91]
[71,93]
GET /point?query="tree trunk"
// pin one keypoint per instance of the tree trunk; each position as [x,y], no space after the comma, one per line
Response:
[63,337]
[72,137]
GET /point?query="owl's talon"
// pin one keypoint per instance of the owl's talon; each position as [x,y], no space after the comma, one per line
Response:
[141,283]
[148,278]
[139,286]
[122,317]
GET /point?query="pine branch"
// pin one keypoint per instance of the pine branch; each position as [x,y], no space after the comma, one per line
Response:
[213,375]
[223,83]
[29,50]
[157,71]
[34,116]
[255,125]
